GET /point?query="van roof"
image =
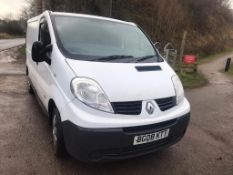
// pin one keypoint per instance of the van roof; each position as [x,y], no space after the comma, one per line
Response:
[83,16]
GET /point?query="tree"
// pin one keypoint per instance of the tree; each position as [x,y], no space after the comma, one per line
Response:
[208,22]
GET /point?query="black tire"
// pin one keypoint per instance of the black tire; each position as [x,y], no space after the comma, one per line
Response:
[57,134]
[30,89]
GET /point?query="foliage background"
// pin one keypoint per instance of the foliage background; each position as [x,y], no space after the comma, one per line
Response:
[209,22]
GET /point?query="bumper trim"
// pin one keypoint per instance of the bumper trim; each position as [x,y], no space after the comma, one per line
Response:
[94,145]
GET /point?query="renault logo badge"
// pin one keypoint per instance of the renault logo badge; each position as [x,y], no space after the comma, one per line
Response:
[150,107]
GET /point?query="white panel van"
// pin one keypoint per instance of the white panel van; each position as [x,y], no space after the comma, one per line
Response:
[108,93]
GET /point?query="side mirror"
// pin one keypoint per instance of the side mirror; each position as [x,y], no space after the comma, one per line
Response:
[39,52]
[37,47]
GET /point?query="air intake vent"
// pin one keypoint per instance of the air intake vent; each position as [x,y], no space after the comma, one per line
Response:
[127,108]
[148,68]
[166,103]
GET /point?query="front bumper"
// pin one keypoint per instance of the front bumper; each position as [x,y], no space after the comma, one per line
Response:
[117,143]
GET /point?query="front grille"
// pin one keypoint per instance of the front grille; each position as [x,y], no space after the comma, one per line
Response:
[127,108]
[135,107]
[166,103]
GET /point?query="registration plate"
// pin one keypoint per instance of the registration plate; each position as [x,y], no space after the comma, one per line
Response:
[147,138]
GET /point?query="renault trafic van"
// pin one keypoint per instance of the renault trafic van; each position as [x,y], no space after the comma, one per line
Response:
[108,93]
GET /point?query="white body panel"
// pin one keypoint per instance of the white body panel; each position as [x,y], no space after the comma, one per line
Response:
[50,81]
[120,82]
[87,117]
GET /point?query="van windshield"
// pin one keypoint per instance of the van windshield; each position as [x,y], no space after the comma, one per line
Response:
[93,39]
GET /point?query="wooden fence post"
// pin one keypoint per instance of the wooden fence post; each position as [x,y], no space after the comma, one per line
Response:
[228,63]
[182,50]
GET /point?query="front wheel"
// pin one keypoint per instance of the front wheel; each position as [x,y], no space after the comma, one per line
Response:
[57,134]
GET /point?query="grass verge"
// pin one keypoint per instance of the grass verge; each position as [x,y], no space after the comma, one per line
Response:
[192,80]
[21,53]
[8,36]
[230,71]
[196,79]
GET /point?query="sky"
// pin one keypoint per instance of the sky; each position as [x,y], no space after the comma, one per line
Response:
[231,1]
[15,6]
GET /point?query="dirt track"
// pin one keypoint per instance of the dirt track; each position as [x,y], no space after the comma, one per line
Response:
[207,148]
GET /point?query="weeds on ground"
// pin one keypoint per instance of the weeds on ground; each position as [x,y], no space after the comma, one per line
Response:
[21,53]
[192,79]
[230,71]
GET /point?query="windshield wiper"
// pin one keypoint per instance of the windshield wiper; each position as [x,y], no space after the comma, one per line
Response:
[112,57]
[140,59]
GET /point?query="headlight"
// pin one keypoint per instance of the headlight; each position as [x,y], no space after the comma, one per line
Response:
[178,88]
[89,92]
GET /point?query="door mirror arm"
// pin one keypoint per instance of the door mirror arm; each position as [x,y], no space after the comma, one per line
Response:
[48,60]
[45,52]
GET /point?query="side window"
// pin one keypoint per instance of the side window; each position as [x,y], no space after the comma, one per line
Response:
[44,35]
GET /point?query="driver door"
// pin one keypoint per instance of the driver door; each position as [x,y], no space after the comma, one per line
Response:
[44,74]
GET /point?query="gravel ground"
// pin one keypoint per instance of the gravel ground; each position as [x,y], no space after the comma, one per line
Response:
[207,148]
